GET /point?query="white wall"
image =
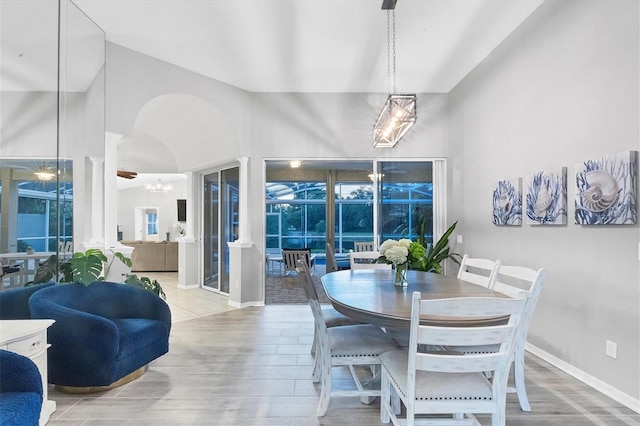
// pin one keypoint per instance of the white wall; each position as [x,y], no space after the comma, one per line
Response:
[561,89]
[129,199]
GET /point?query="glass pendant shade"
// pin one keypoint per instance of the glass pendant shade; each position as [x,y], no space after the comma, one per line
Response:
[396,118]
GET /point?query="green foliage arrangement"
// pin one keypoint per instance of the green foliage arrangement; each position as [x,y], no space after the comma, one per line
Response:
[88,267]
[439,253]
[417,255]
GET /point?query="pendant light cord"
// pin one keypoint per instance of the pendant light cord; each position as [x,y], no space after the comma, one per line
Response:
[391,50]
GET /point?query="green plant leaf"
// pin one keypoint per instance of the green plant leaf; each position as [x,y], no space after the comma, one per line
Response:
[145,283]
[123,258]
[87,266]
[47,270]
[440,252]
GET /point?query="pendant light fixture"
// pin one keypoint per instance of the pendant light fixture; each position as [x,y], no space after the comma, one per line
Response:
[44,173]
[399,111]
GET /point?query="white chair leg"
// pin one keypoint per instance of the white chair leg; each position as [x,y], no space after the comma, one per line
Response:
[499,417]
[396,404]
[325,391]
[385,398]
[317,368]
[317,358]
[518,374]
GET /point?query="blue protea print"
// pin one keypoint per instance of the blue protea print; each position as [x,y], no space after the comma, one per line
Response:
[547,197]
[507,204]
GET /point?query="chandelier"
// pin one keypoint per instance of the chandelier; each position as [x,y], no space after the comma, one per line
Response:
[159,187]
[399,111]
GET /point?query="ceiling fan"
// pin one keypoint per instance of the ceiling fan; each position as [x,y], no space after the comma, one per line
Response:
[127,175]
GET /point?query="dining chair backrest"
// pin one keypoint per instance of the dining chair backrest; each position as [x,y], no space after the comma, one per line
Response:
[290,258]
[304,275]
[479,271]
[515,281]
[455,363]
[332,264]
[366,260]
[364,246]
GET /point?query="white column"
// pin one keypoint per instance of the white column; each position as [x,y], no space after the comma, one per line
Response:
[110,189]
[189,265]
[193,184]
[243,202]
[97,208]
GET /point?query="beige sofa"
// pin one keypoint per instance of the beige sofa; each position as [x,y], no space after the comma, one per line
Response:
[153,256]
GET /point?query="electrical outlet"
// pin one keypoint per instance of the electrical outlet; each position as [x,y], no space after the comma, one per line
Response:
[611,349]
[459,239]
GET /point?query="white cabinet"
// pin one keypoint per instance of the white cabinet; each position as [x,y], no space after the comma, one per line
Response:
[29,338]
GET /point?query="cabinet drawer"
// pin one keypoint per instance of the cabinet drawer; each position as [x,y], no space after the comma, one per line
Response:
[29,346]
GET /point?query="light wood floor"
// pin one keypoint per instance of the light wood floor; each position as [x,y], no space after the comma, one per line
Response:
[252,367]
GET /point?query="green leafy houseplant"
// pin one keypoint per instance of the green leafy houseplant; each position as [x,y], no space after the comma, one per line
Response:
[421,258]
[88,267]
[439,252]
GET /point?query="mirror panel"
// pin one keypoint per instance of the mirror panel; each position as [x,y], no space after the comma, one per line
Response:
[52,92]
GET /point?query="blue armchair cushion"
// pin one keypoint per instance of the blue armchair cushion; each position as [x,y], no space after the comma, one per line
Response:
[14,304]
[102,332]
[20,390]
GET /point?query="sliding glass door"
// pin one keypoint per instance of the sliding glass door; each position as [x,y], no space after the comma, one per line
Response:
[404,200]
[220,225]
[365,201]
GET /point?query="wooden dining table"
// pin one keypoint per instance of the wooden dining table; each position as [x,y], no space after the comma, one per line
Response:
[369,295]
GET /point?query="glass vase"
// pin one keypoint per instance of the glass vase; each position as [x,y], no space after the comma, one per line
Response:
[400,274]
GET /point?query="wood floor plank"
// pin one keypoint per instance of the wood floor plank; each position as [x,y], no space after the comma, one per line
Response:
[252,367]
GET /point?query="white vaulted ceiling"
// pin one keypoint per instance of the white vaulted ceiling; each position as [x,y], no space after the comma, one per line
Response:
[313,45]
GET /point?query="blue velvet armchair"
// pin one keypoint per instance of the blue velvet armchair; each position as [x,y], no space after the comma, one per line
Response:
[103,332]
[14,304]
[20,390]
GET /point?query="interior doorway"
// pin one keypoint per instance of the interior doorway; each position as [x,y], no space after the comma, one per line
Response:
[146,224]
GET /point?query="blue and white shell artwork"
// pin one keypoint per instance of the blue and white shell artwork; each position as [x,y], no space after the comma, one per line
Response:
[606,192]
[547,197]
[507,203]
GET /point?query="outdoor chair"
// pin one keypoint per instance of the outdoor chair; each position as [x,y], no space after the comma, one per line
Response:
[366,260]
[290,258]
[364,246]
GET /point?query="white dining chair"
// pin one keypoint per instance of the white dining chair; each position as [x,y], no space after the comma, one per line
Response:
[348,345]
[513,281]
[451,383]
[366,260]
[479,271]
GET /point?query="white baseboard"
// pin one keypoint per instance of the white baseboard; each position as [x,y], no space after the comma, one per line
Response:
[605,388]
[188,287]
[245,305]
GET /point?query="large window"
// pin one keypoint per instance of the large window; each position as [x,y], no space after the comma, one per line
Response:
[37,222]
[297,209]
[296,215]
[406,200]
